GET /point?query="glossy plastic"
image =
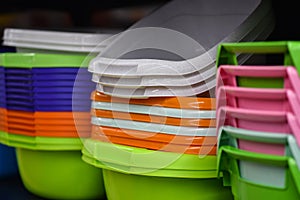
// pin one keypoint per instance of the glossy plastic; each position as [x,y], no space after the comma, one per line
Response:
[128,187]
[59,175]
[155,128]
[169,102]
[155,110]
[154,118]
[160,146]
[260,142]
[33,60]
[258,176]
[40,143]
[130,159]
[259,77]
[228,51]
[258,99]
[150,136]
[56,41]
[257,120]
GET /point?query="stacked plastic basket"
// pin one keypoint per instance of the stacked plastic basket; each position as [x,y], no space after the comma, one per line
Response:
[40,105]
[153,114]
[258,121]
[8,160]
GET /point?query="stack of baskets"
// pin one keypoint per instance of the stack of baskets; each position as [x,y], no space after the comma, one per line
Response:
[258,121]
[44,91]
[8,166]
[153,114]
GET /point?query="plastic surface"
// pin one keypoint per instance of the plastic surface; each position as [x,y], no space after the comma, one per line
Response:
[155,110]
[45,124]
[149,136]
[168,147]
[169,102]
[154,118]
[158,80]
[43,83]
[260,142]
[46,115]
[155,128]
[56,40]
[32,60]
[158,91]
[49,77]
[127,187]
[40,143]
[20,93]
[59,175]
[265,121]
[43,71]
[227,52]
[258,99]
[259,77]
[258,176]
[139,61]
[49,108]
[143,161]
[8,161]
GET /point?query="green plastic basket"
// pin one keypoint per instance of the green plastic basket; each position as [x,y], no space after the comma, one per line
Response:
[258,176]
[31,60]
[130,159]
[59,175]
[52,167]
[260,142]
[228,52]
[40,143]
[120,186]
[128,175]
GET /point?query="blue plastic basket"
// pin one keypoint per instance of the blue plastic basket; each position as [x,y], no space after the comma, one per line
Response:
[47,84]
[36,91]
[8,161]
[64,108]
[52,70]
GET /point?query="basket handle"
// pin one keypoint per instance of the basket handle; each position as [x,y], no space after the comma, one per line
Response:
[227,52]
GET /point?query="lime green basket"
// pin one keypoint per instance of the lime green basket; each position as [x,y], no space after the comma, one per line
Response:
[40,143]
[32,60]
[52,167]
[131,173]
[228,52]
[258,176]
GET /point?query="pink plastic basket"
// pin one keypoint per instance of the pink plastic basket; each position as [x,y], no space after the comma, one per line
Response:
[258,120]
[258,99]
[227,75]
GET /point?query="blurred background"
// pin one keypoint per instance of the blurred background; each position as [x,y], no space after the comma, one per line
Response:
[97,15]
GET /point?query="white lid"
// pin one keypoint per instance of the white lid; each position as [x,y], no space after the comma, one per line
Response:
[56,40]
[153,127]
[158,91]
[253,25]
[163,80]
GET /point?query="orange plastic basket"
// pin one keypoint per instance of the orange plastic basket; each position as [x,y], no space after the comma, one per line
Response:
[154,137]
[196,103]
[48,133]
[169,147]
[49,115]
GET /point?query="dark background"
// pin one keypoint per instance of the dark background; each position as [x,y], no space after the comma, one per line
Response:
[96,15]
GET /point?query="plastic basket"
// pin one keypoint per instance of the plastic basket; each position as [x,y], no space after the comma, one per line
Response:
[258,99]
[259,142]
[258,176]
[265,121]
